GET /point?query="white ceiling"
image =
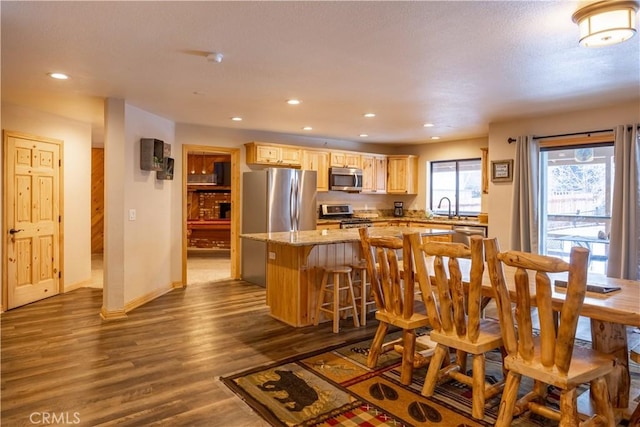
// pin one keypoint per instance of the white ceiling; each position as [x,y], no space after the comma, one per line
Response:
[460,65]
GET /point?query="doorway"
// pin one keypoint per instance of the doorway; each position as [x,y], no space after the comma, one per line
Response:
[210,219]
[576,190]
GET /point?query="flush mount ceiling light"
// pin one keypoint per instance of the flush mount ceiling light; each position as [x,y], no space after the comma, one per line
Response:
[293,101]
[369,115]
[605,23]
[236,119]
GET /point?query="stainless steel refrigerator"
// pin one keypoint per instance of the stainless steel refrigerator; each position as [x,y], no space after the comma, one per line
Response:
[274,200]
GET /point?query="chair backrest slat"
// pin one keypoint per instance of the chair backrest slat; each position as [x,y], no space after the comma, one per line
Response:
[458,297]
[576,290]
[523,315]
[424,281]
[388,294]
[368,252]
[409,290]
[474,297]
[444,296]
[501,295]
[546,318]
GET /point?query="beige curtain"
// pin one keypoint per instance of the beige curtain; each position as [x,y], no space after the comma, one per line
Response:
[624,247]
[525,202]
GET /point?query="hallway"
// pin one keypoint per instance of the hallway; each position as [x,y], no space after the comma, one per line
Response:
[202,266]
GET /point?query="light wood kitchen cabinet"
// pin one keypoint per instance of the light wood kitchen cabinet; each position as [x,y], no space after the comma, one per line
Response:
[259,153]
[345,159]
[374,173]
[402,174]
[380,223]
[401,223]
[317,161]
[328,226]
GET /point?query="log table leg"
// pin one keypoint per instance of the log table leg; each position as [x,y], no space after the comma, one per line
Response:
[611,338]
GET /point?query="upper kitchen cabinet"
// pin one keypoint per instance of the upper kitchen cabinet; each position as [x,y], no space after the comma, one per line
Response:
[345,159]
[374,173]
[402,174]
[318,161]
[259,153]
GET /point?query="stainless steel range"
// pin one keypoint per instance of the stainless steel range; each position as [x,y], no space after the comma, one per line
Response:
[344,213]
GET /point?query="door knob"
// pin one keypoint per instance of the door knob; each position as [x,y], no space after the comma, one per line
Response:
[14,231]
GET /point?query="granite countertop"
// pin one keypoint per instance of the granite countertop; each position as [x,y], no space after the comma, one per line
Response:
[436,220]
[347,235]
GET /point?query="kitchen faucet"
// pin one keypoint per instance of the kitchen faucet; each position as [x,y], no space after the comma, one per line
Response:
[440,204]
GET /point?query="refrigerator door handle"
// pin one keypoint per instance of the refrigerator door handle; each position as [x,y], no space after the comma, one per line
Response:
[298,193]
[292,203]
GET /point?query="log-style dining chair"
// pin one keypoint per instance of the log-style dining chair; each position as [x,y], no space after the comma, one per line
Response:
[551,358]
[393,290]
[455,316]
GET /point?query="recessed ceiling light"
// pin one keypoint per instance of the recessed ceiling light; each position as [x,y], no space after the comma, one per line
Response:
[435,137]
[307,128]
[58,76]
[293,101]
[363,135]
[428,125]
[236,119]
[369,114]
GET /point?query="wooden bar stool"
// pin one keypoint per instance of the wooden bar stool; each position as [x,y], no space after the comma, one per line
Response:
[334,306]
[360,282]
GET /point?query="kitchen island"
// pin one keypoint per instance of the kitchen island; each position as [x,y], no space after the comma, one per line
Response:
[295,261]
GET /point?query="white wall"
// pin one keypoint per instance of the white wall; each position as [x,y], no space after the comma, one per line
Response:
[500,194]
[142,257]
[77,182]
[152,258]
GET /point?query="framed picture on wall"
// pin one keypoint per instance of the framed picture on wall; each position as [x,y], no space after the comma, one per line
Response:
[502,171]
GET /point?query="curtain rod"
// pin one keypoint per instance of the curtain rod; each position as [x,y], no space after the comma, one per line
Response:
[510,140]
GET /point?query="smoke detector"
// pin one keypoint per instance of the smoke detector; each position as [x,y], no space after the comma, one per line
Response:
[215,57]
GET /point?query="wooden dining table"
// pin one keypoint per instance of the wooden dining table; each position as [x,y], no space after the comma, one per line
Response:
[610,314]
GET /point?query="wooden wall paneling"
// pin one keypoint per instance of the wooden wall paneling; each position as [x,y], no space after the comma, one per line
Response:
[97,200]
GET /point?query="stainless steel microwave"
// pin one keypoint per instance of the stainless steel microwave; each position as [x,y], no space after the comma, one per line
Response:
[345,179]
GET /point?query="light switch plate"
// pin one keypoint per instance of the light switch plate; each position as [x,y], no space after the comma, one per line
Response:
[132,214]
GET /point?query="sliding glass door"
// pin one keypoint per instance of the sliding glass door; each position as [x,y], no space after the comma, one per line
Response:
[576,185]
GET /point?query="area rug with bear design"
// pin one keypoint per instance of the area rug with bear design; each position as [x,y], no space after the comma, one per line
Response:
[334,387]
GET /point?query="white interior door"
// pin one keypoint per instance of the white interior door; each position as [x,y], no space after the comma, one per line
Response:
[33,218]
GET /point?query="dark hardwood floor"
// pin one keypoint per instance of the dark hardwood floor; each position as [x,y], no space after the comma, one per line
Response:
[61,363]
